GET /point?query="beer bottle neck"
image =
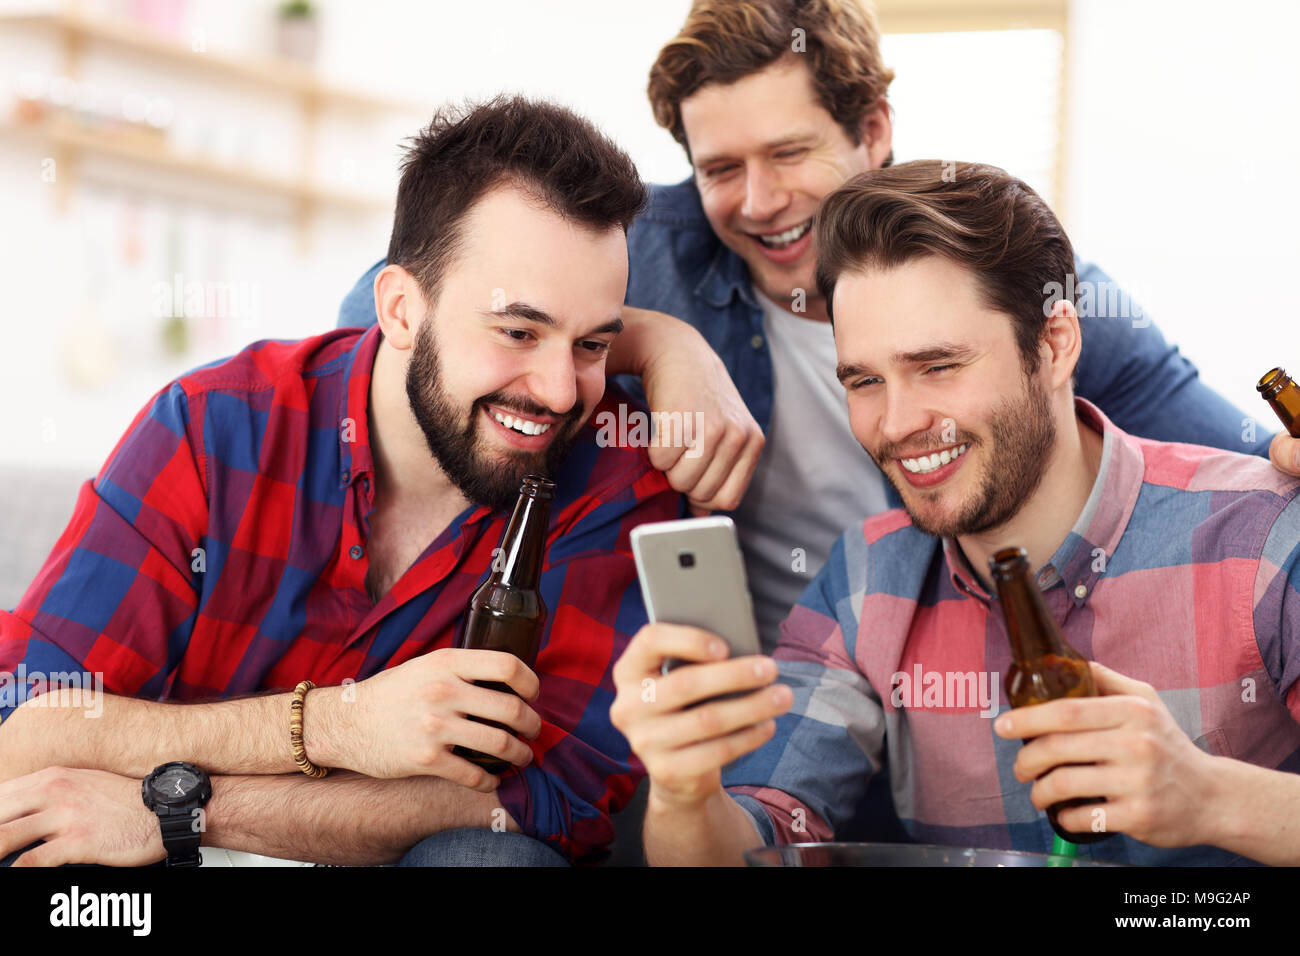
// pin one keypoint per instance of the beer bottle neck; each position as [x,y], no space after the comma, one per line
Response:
[1030,626]
[1282,393]
[524,543]
[1289,416]
[1286,403]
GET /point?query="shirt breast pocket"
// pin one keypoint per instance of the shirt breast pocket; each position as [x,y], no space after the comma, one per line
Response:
[1214,743]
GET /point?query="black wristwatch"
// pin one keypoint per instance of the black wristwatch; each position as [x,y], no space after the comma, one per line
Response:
[175,791]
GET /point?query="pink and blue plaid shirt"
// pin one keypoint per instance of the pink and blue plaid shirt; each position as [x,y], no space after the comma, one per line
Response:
[222,551]
[1183,570]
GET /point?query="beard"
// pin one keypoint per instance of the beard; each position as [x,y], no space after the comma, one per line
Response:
[1022,434]
[484,475]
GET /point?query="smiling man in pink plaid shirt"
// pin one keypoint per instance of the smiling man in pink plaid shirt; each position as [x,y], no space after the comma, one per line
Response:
[1176,568]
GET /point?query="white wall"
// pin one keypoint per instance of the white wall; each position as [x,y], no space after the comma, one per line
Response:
[1182,172]
[591,55]
[987,96]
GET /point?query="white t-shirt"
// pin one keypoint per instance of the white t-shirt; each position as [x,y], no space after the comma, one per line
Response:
[813,481]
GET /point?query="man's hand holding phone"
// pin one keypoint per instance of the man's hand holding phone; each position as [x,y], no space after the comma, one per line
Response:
[685,747]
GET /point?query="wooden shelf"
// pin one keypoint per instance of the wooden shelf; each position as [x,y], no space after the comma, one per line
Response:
[69,140]
[75,139]
[282,75]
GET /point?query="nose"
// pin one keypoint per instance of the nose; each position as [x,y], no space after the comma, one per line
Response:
[903,415]
[764,197]
[553,381]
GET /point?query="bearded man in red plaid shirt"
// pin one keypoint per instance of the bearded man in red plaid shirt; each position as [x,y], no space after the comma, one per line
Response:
[322,510]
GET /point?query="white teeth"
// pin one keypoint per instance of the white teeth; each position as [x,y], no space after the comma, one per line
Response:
[521,424]
[928,463]
[787,237]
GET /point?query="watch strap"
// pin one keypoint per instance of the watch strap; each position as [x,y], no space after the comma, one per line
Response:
[180,839]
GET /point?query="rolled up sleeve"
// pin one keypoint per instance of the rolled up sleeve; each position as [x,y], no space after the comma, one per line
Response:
[807,781]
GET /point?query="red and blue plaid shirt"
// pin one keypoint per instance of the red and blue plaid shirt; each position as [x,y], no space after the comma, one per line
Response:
[222,551]
[1183,571]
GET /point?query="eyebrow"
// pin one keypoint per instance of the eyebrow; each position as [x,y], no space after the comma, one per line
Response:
[943,351]
[708,160]
[847,370]
[530,313]
[939,352]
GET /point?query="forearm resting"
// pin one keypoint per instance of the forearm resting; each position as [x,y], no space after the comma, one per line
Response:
[132,737]
[647,337]
[345,819]
[716,834]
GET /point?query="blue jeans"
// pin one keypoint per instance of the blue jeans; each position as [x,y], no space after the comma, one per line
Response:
[473,846]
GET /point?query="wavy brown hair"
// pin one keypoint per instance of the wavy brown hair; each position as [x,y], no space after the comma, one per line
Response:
[723,41]
[977,216]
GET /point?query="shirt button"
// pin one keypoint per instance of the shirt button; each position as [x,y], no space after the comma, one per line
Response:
[1081,591]
[355,551]
[756,341]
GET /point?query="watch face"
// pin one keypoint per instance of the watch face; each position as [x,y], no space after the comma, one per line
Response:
[175,785]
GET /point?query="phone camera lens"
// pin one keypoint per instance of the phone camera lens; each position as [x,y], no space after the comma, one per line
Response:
[686,559]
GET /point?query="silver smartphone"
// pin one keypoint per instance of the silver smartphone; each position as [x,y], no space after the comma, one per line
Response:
[691,572]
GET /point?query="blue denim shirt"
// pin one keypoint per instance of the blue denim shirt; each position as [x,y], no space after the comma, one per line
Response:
[679,266]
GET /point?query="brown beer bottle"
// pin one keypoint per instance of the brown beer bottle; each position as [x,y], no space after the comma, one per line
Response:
[1284,395]
[1045,667]
[507,613]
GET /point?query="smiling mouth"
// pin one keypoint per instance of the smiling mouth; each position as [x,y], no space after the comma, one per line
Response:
[925,464]
[779,240]
[522,425]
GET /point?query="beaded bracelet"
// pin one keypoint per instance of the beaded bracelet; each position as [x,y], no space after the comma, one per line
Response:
[295,732]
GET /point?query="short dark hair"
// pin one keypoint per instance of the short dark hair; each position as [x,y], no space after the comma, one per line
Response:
[975,215]
[559,157]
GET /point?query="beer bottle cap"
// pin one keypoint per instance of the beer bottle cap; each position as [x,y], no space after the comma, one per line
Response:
[535,486]
[1007,562]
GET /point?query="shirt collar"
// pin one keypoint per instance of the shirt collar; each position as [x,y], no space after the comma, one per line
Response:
[726,277]
[354,405]
[1081,558]
[357,463]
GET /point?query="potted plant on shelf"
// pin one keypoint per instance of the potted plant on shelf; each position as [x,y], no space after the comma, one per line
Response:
[297,31]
